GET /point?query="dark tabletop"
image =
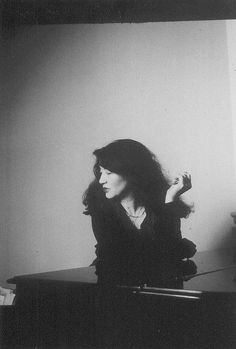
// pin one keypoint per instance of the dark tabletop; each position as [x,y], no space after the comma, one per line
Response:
[215,272]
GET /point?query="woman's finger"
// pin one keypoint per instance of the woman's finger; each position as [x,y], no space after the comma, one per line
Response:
[183,180]
[187,178]
[176,180]
[188,175]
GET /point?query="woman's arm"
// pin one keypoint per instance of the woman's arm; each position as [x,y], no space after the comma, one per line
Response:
[178,247]
[181,184]
[174,209]
[173,204]
[177,209]
[104,230]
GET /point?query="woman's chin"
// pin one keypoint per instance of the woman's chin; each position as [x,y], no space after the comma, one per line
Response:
[109,196]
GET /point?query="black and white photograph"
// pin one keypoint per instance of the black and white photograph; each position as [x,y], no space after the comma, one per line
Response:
[118,174]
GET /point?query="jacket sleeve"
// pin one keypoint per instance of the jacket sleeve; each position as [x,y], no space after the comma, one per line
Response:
[176,209]
[178,247]
[103,234]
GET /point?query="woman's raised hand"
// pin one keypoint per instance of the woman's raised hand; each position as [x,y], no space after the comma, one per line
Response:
[180,185]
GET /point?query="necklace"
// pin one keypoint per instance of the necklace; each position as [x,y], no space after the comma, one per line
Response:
[138,216]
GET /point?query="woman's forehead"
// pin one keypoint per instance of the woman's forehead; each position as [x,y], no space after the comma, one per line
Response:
[111,165]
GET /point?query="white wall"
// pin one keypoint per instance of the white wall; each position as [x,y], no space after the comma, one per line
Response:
[231,34]
[3,201]
[3,174]
[73,88]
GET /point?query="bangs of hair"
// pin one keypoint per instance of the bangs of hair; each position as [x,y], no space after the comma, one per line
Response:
[108,163]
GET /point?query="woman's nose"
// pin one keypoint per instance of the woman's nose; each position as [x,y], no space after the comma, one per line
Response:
[102,178]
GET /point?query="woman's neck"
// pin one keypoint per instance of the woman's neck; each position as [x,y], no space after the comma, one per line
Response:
[136,213]
[129,204]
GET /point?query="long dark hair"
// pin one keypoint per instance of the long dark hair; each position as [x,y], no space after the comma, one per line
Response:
[138,165]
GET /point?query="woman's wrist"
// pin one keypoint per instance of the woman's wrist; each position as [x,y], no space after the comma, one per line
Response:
[169,197]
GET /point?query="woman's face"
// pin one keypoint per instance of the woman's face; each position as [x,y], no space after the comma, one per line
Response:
[112,183]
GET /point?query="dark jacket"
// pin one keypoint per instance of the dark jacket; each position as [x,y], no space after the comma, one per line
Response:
[127,255]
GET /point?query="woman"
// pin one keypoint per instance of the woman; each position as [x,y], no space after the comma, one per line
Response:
[135,215]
